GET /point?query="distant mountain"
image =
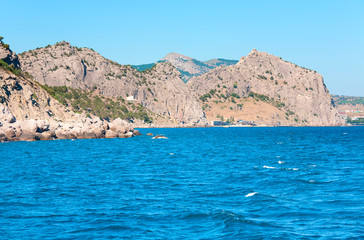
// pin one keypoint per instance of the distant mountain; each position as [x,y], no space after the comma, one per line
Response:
[220,62]
[343,103]
[143,67]
[187,66]
[347,100]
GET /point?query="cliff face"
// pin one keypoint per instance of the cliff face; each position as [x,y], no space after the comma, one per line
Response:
[299,92]
[160,89]
[22,99]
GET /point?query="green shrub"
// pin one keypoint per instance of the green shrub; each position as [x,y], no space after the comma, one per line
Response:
[235,95]
[12,69]
[34,96]
[204,97]
[262,77]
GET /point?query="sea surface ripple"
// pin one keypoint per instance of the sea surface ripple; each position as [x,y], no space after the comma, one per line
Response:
[202,183]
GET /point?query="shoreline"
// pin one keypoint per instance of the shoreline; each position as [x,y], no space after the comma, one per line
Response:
[36,130]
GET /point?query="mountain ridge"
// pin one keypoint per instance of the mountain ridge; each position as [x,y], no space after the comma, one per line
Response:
[260,84]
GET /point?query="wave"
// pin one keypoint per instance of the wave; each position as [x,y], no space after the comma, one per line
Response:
[269,167]
[251,194]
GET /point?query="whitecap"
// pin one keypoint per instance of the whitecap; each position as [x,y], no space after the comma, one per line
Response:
[295,169]
[171,153]
[251,194]
[269,167]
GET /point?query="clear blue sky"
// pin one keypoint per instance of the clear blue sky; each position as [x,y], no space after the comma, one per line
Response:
[327,36]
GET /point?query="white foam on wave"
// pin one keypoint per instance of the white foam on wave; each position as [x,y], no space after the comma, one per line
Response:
[251,194]
[295,169]
[269,167]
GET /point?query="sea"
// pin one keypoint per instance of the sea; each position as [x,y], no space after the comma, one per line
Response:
[200,183]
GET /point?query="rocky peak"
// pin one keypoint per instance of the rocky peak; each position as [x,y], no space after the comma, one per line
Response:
[298,89]
[8,56]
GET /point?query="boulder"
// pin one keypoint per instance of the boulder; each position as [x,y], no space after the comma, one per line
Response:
[119,126]
[160,137]
[110,134]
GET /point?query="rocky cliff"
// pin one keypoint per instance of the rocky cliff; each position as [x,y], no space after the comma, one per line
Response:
[28,112]
[159,89]
[292,95]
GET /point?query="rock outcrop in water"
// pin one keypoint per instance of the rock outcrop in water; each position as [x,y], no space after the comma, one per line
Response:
[284,93]
[159,89]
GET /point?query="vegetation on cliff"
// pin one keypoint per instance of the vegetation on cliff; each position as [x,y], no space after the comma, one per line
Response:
[90,102]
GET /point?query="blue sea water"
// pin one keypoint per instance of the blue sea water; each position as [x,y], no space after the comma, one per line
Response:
[203,183]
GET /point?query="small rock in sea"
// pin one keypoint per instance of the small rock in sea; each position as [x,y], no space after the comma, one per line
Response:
[149,134]
[137,133]
[160,137]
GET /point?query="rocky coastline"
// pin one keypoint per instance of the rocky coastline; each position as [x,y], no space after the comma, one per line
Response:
[87,128]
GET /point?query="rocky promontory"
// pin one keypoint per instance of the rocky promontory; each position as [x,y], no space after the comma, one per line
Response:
[28,112]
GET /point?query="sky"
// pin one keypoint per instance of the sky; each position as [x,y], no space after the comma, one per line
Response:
[326,36]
